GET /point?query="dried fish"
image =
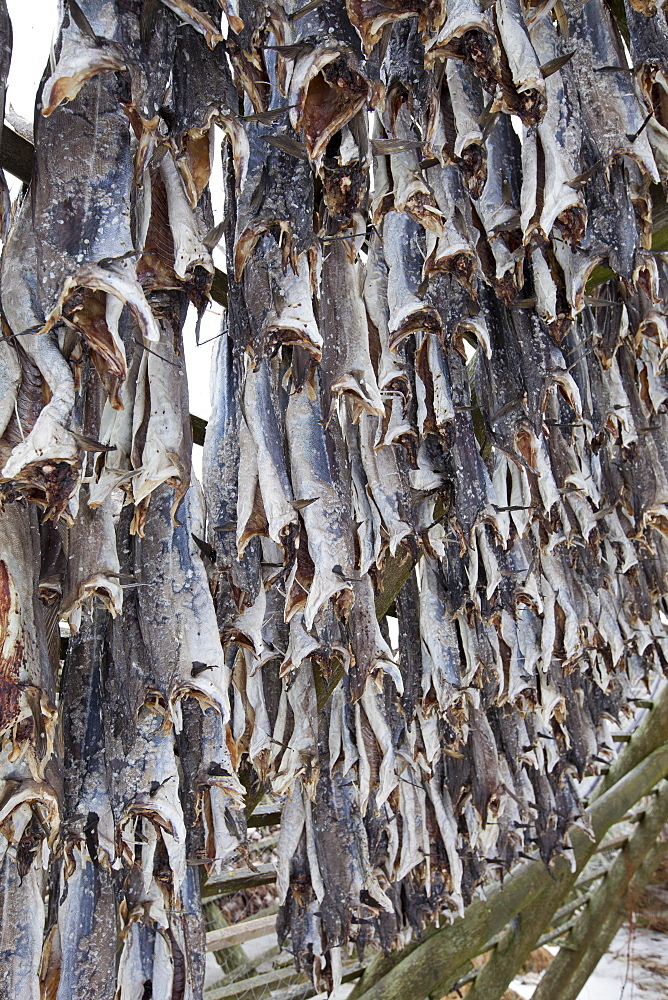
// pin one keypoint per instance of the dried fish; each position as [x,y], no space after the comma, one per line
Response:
[326,90]
[312,475]
[183,605]
[423,405]
[346,358]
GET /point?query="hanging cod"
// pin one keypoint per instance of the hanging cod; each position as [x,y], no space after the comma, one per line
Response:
[426,568]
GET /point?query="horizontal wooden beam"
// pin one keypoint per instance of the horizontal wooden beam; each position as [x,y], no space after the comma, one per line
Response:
[262,983]
[198,429]
[257,821]
[235,881]
[245,930]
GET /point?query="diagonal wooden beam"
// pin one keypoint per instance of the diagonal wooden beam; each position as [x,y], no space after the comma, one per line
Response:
[16,154]
[435,964]
[603,915]
[650,734]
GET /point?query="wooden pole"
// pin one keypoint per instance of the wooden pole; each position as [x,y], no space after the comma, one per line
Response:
[604,914]
[438,960]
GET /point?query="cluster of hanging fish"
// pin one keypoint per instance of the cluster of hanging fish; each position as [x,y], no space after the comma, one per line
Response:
[414,382]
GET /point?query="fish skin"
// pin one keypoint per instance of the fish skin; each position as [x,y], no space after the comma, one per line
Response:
[409,642]
[611,110]
[99,157]
[268,196]
[13,375]
[193,16]
[454,250]
[239,584]
[333,67]
[26,672]
[403,71]
[500,202]
[371,18]
[87,921]
[188,937]
[273,476]
[49,436]
[314,473]
[347,367]
[440,651]
[221,449]
[92,565]
[179,601]
[515,469]
[281,310]
[87,928]
[90,42]
[21,930]
[526,94]
[162,436]
[342,852]
[408,310]
[202,82]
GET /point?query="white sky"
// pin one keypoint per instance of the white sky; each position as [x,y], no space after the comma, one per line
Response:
[34,24]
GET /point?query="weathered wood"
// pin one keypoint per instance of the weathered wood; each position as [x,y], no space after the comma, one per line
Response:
[245,930]
[258,985]
[414,975]
[198,429]
[396,571]
[259,819]
[614,920]
[532,925]
[17,154]
[249,966]
[597,925]
[242,878]
[232,956]
[264,985]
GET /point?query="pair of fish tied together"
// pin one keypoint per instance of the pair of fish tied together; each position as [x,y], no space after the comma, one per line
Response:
[439,391]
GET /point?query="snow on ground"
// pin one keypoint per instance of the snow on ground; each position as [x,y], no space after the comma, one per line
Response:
[635,968]
[637,964]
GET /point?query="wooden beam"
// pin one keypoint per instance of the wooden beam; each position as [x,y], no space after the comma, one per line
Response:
[650,733]
[258,819]
[396,571]
[603,915]
[231,958]
[245,930]
[198,429]
[242,878]
[261,983]
[437,962]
